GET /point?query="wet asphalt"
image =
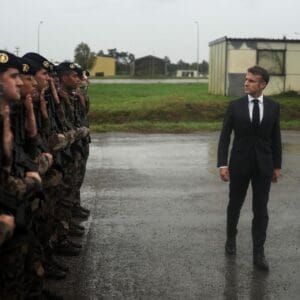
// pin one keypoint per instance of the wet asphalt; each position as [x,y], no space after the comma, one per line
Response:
[157,224]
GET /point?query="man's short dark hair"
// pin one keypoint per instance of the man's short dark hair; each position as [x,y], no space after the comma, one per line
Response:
[257,70]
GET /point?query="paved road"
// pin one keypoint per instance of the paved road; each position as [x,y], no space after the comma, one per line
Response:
[157,225]
[147,81]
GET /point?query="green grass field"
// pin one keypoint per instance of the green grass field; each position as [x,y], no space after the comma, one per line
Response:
[185,107]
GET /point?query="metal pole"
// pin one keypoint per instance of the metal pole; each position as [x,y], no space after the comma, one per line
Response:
[197,23]
[38,37]
[17,50]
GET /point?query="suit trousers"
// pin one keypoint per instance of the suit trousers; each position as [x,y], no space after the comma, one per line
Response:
[260,195]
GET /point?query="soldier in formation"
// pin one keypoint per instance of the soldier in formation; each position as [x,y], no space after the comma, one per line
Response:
[44,147]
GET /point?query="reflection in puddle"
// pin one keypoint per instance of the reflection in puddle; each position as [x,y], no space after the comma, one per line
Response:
[233,280]
[290,148]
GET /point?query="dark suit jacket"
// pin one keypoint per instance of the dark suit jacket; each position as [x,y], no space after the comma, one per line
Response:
[264,142]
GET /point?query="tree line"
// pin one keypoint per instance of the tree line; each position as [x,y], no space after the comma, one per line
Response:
[87,58]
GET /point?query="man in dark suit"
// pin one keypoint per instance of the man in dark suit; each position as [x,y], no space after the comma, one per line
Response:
[255,157]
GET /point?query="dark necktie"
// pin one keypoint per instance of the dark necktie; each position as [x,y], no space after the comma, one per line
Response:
[255,114]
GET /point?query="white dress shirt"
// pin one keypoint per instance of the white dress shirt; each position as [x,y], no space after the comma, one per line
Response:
[260,105]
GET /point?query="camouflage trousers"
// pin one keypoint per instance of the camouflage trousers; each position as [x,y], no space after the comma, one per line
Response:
[81,170]
[81,176]
[21,272]
[68,192]
[64,201]
[12,271]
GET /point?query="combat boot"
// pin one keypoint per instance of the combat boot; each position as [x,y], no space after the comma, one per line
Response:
[74,244]
[53,272]
[77,225]
[77,212]
[75,230]
[48,295]
[59,264]
[87,211]
[65,248]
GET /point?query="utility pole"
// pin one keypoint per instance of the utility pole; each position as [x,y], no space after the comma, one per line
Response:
[38,36]
[197,24]
[17,49]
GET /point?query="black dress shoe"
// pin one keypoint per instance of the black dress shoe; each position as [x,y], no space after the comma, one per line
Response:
[230,246]
[53,272]
[260,262]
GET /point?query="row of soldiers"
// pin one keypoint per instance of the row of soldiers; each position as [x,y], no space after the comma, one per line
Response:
[44,147]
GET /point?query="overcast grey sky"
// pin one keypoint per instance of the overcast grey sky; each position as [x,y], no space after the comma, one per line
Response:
[157,27]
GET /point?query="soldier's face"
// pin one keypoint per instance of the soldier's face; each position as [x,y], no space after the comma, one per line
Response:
[42,77]
[29,86]
[71,80]
[79,82]
[11,83]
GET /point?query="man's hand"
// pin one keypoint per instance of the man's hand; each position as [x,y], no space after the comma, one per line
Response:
[28,103]
[34,175]
[7,141]
[30,122]
[54,91]
[224,174]
[276,174]
[49,157]
[9,221]
[7,226]
[43,104]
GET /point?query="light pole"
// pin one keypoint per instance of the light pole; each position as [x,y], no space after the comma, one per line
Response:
[17,48]
[38,37]
[197,23]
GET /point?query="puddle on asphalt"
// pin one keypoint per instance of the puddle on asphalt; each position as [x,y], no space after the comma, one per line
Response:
[290,148]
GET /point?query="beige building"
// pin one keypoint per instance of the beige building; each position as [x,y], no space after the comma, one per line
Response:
[230,58]
[104,66]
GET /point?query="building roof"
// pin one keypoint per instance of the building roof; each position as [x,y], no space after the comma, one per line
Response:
[225,38]
[149,56]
